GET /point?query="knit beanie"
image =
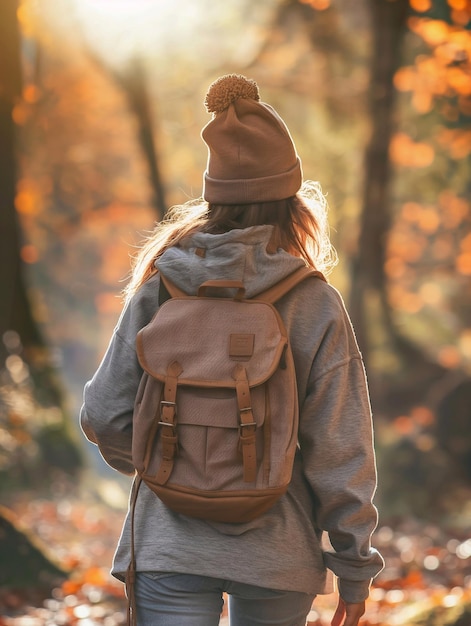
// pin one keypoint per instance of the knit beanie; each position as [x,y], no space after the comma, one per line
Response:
[252,157]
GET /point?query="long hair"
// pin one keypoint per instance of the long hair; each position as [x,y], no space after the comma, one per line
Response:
[300,228]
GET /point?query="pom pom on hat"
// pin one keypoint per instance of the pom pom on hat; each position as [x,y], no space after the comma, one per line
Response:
[227,89]
[251,155]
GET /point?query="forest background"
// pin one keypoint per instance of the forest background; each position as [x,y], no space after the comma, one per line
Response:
[101,107]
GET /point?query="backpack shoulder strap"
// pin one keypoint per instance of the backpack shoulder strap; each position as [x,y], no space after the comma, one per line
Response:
[170,290]
[271,295]
[277,291]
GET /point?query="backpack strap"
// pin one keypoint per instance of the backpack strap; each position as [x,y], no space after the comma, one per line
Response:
[130,577]
[168,413]
[270,295]
[169,288]
[277,291]
[247,424]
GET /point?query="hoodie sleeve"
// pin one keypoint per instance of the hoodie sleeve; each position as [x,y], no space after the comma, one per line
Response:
[108,403]
[336,440]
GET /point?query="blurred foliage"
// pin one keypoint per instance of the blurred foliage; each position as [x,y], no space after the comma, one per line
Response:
[37,445]
[428,264]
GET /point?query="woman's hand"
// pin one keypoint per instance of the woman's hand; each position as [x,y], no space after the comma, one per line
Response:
[348,614]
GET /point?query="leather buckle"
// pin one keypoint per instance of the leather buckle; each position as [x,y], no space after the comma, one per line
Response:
[172,426]
[249,424]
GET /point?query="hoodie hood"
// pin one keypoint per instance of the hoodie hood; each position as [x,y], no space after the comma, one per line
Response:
[239,254]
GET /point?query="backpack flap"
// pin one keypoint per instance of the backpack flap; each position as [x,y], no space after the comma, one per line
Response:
[208,337]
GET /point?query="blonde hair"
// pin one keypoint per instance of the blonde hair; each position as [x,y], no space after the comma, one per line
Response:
[300,228]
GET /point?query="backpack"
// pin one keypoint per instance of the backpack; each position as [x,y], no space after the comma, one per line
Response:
[215,425]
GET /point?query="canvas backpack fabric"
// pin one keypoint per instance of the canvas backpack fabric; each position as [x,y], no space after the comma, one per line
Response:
[215,422]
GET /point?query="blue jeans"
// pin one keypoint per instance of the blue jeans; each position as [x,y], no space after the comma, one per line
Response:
[190,600]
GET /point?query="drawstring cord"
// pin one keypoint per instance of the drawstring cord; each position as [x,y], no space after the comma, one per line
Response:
[130,579]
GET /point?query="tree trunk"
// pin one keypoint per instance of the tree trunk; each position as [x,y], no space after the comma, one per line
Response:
[133,83]
[19,333]
[15,312]
[388,22]
[369,300]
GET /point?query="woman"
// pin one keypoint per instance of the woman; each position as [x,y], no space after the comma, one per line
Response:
[258,223]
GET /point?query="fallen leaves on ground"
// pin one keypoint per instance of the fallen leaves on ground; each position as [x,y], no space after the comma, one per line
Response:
[428,570]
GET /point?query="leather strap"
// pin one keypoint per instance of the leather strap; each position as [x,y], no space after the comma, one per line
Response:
[223,284]
[282,287]
[270,295]
[168,413]
[173,290]
[247,425]
[130,577]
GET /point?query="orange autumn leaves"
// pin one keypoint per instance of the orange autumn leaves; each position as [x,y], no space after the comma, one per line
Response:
[404,151]
[446,70]
[442,73]
[439,79]
[429,241]
[432,229]
[428,255]
[319,5]
[459,9]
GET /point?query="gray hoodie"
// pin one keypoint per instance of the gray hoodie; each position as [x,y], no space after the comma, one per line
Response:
[334,477]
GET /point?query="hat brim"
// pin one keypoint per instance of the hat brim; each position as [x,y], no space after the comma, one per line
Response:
[251,190]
